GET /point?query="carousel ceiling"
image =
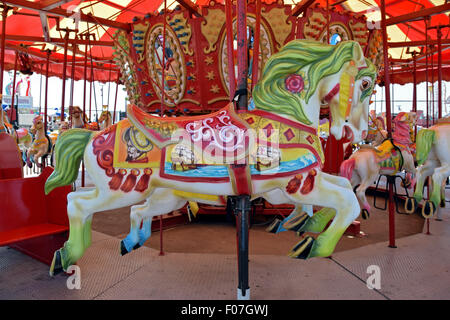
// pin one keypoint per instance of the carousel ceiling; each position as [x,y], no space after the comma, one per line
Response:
[38,27]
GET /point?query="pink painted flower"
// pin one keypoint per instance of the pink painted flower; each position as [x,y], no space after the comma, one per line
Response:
[294,83]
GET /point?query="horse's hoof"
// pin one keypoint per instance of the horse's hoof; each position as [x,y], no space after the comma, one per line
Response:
[123,250]
[56,266]
[302,249]
[297,222]
[273,228]
[428,209]
[365,214]
[137,246]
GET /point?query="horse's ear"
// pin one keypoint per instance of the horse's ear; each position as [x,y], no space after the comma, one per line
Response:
[401,117]
[358,54]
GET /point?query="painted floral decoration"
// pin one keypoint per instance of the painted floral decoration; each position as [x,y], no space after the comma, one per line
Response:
[294,83]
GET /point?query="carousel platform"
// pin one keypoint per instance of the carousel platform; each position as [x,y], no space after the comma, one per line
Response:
[419,268]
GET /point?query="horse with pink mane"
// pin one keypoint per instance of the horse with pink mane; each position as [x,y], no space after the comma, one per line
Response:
[389,158]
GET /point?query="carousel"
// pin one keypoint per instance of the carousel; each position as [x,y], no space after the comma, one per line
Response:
[276,118]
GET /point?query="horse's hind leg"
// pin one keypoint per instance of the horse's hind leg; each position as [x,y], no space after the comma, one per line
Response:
[329,195]
[361,193]
[81,205]
[423,172]
[439,175]
[318,222]
[161,201]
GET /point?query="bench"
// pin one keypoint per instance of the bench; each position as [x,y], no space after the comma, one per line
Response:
[30,221]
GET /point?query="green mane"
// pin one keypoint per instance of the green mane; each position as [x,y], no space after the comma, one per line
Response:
[315,60]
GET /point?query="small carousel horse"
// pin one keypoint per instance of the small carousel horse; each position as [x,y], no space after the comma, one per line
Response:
[105,120]
[41,146]
[389,158]
[79,118]
[132,160]
[22,136]
[63,126]
[5,126]
[433,158]
[377,131]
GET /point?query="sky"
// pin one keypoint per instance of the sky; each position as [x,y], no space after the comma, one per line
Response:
[402,95]
[55,93]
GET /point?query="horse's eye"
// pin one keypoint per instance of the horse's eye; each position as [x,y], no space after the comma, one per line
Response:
[365,84]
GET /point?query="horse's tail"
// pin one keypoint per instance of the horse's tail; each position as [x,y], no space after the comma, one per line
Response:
[346,169]
[69,150]
[424,141]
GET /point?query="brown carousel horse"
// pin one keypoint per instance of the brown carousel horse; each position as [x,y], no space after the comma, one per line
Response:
[80,120]
[42,145]
[105,120]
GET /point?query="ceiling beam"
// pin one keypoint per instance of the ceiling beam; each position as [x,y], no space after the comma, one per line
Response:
[58,40]
[37,6]
[416,43]
[192,7]
[51,4]
[301,7]
[418,15]
[45,27]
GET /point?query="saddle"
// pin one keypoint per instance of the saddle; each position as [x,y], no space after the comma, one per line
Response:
[389,155]
[221,137]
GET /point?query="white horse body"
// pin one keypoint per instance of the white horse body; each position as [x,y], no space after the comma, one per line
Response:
[163,194]
[434,163]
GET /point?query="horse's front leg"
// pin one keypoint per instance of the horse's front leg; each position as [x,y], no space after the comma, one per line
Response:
[161,201]
[277,197]
[38,156]
[410,169]
[30,152]
[328,193]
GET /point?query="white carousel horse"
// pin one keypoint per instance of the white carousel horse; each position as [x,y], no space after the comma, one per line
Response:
[41,146]
[132,160]
[367,163]
[433,158]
